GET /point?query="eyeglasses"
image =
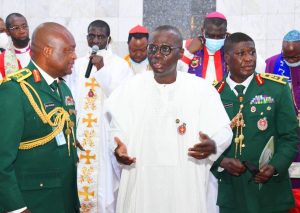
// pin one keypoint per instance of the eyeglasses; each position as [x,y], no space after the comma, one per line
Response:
[163,49]
[93,36]
[19,28]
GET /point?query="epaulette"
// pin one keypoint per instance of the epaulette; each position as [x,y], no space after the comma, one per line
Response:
[259,79]
[19,75]
[277,78]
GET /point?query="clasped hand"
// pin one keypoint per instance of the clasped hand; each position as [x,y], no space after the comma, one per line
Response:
[235,167]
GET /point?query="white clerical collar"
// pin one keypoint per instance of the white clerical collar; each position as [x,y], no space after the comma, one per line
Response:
[22,50]
[232,83]
[48,78]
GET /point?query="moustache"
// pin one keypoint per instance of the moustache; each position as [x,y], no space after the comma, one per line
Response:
[21,42]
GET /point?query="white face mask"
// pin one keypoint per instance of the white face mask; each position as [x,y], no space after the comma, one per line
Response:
[4,40]
[296,64]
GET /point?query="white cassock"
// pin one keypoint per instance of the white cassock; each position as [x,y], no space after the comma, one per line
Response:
[97,182]
[146,116]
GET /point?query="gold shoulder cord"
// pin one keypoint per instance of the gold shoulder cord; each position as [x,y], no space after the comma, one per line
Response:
[62,117]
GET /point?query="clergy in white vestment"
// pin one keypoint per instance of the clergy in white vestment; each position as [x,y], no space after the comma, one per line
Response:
[96,180]
[166,128]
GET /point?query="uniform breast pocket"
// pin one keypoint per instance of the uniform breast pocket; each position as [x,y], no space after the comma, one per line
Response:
[42,187]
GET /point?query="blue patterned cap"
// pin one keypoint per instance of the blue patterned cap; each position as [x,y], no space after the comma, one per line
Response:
[293,35]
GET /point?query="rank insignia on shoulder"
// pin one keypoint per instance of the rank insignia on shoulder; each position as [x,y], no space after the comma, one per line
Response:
[277,78]
[259,80]
[36,76]
[220,86]
[19,75]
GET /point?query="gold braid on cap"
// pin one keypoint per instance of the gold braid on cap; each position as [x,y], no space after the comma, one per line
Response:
[61,117]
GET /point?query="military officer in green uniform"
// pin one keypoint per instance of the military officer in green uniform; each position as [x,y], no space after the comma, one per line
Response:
[253,172]
[37,150]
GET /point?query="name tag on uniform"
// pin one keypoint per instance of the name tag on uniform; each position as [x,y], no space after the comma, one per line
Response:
[60,139]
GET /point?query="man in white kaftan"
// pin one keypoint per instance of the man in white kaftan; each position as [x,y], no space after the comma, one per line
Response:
[168,130]
[96,179]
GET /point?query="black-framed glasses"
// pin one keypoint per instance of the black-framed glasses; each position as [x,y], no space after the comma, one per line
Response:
[92,36]
[19,28]
[164,49]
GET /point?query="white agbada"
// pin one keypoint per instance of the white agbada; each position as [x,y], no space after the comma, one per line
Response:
[143,114]
[97,181]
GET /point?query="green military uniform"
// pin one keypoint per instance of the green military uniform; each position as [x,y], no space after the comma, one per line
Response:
[267,111]
[40,177]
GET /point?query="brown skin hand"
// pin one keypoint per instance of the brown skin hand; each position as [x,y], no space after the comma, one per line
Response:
[121,153]
[204,149]
[233,166]
[265,174]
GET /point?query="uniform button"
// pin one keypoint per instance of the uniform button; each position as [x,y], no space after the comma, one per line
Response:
[41,184]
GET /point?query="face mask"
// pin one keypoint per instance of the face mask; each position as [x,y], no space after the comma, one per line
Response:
[213,45]
[296,64]
[4,40]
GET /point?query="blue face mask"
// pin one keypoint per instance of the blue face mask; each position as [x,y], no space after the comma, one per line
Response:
[296,64]
[213,45]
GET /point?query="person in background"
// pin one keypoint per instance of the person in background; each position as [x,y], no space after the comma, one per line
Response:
[17,55]
[204,55]
[4,41]
[108,71]
[287,64]
[137,47]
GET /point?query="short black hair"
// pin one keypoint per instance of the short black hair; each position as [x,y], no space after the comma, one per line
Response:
[170,28]
[100,23]
[137,36]
[214,21]
[7,20]
[235,38]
